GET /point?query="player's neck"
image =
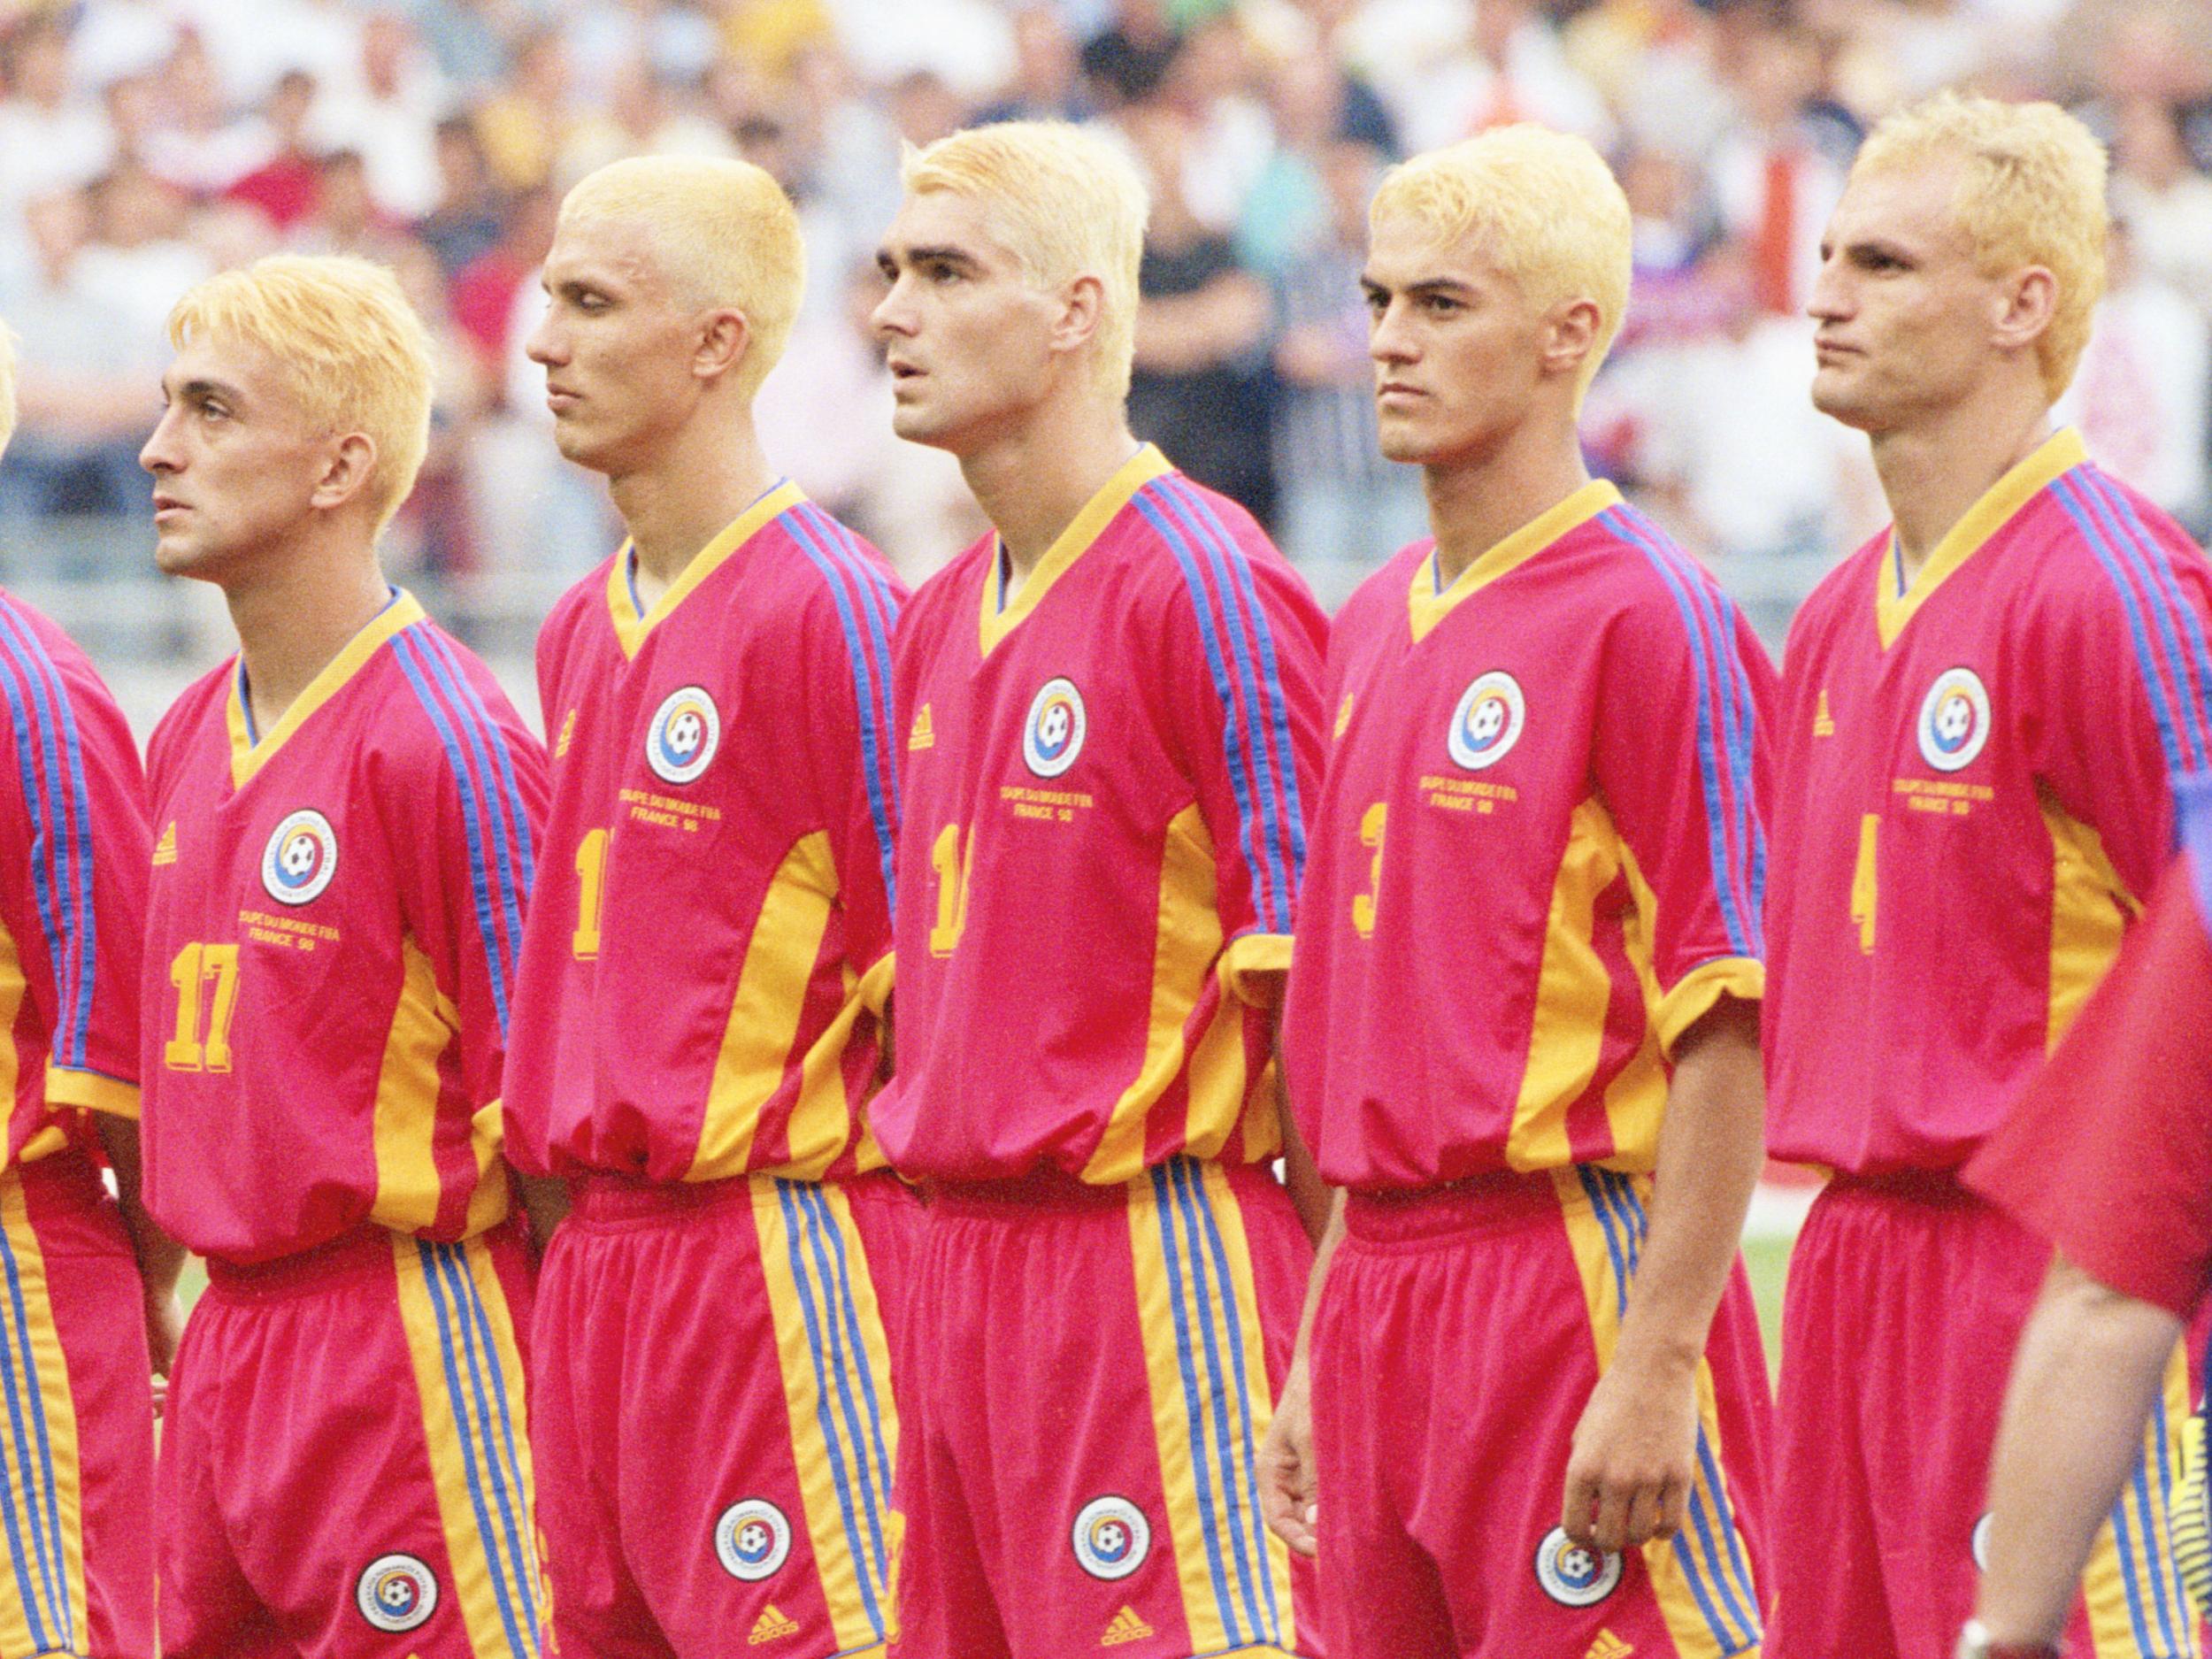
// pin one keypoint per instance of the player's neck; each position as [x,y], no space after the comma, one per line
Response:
[1933,474]
[1032,483]
[1475,505]
[293,619]
[708,475]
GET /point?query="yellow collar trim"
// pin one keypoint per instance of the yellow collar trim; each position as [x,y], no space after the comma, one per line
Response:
[1085,528]
[1429,607]
[630,628]
[2057,454]
[247,757]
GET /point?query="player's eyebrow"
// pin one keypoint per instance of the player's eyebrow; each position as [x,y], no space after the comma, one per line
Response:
[1451,287]
[888,259]
[199,389]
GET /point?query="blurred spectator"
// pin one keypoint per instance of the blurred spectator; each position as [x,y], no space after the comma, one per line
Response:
[2166,202]
[386,111]
[52,137]
[471,214]
[284,186]
[525,123]
[1508,65]
[1047,83]
[1774,185]
[198,145]
[345,217]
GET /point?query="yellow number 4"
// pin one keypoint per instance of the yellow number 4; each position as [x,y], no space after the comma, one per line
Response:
[195,967]
[1862,884]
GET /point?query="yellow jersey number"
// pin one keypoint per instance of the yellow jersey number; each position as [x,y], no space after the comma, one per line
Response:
[1371,835]
[208,973]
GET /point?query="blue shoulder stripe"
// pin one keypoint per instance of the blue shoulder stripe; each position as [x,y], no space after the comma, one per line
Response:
[1274,854]
[70,847]
[868,650]
[487,750]
[1735,841]
[27,730]
[2180,629]
[475,825]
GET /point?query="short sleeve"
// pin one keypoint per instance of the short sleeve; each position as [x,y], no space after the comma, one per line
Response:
[1679,755]
[1244,663]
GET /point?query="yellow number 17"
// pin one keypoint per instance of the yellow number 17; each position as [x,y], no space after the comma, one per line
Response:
[196,966]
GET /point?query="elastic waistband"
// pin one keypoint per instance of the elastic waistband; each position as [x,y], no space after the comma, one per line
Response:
[603,1199]
[1939,1187]
[366,1250]
[1054,1190]
[1499,1200]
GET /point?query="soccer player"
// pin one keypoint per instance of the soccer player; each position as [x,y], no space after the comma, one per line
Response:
[1109,714]
[1530,1412]
[700,1015]
[1983,707]
[90,1288]
[347,813]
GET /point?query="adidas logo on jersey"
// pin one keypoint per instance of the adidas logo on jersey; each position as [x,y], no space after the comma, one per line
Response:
[1823,726]
[1126,1627]
[568,731]
[923,735]
[1608,1645]
[165,849]
[772,1625]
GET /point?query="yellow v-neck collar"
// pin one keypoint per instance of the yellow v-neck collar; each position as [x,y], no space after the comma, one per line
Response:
[248,756]
[630,627]
[1428,607]
[1002,616]
[2057,454]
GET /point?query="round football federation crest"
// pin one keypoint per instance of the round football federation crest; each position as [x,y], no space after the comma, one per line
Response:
[1052,737]
[685,734]
[1487,722]
[396,1592]
[752,1539]
[301,857]
[1112,1538]
[1573,1574]
[1954,719]
[1979,1544]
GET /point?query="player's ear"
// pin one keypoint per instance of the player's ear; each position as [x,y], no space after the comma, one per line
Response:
[1082,305]
[1570,333]
[346,467]
[723,339]
[2025,303]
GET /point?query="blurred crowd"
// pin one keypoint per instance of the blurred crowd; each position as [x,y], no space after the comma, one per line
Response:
[146,142]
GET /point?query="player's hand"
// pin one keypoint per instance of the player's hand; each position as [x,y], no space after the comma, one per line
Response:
[1635,1456]
[1287,1484]
[165,1327]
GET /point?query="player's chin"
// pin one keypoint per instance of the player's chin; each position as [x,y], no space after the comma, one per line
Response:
[1835,397]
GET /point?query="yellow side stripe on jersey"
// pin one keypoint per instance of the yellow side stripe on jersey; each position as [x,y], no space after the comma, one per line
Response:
[1573,990]
[837,1386]
[2138,1606]
[403,1126]
[40,1512]
[1198,1310]
[468,1374]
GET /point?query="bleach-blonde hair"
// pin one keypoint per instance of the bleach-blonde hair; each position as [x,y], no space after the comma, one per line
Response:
[7,386]
[349,345]
[1066,202]
[2033,194]
[724,233]
[1551,216]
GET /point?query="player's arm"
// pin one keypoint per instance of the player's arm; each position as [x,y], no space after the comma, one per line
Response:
[1635,1458]
[1287,1484]
[2089,1368]
[160,1258]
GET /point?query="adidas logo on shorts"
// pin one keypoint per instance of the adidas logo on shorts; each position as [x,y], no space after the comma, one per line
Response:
[1126,1627]
[771,1626]
[1608,1645]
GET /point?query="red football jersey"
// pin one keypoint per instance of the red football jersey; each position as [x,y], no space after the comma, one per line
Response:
[336,911]
[1106,783]
[73,845]
[708,950]
[1974,795]
[1538,854]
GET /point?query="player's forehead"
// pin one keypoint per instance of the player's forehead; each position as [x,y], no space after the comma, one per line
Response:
[238,370]
[947,223]
[619,252]
[1915,206]
[1405,252]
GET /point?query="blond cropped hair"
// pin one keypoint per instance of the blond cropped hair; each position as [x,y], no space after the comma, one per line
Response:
[7,386]
[2033,194]
[1550,214]
[724,233]
[1066,202]
[347,343]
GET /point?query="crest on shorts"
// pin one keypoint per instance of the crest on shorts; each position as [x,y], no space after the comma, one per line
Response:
[1573,1574]
[1954,719]
[1052,737]
[396,1591]
[752,1539]
[1487,722]
[685,731]
[1111,1537]
[301,857]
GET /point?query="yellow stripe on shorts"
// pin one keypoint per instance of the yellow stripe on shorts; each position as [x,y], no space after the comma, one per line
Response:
[469,1374]
[2138,1608]
[42,1600]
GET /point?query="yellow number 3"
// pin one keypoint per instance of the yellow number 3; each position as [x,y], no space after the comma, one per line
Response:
[1371,835]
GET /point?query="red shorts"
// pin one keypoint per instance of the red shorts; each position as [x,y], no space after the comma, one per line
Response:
[345,1466]
[1905,1301]
[1459,1336]
[77,1436]
[1089,1394]
[713,1416]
